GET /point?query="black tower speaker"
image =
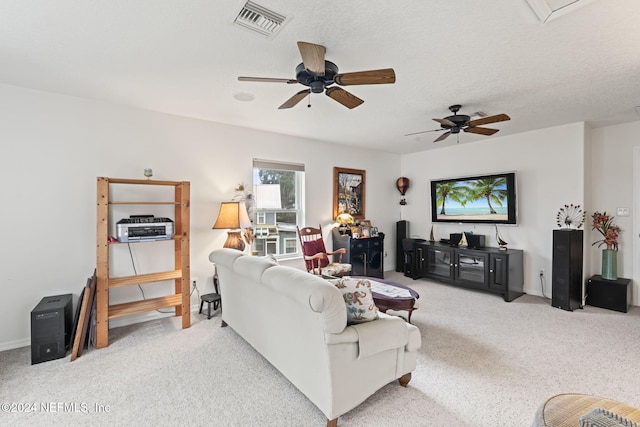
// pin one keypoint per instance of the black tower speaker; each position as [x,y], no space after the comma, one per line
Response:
[402,232]
[566,291]
[51,325]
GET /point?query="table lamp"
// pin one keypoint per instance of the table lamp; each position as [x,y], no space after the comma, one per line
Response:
[344,220]
[233,216]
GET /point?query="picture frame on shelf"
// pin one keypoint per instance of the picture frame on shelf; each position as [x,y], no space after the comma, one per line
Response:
[366,232]
[356,232]
[349,192]
[365,223]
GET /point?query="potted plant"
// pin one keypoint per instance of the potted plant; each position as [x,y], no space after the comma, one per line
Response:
[603,223]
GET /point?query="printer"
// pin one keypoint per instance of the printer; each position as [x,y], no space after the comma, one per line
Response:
[138,228]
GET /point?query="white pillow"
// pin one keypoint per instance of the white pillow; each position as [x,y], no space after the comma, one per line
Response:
[358,300]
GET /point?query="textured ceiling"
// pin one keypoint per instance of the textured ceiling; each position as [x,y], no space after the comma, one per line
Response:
[184,57]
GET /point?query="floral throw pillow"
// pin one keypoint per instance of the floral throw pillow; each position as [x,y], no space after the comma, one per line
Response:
[358,300]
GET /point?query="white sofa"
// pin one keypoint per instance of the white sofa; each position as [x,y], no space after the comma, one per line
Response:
[298,322]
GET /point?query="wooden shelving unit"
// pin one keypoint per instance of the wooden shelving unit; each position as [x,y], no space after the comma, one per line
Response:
[180,274]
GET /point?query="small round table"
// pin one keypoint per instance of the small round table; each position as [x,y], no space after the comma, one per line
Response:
[386,302]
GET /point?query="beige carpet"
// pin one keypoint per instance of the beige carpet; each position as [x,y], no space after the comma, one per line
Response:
[484,362]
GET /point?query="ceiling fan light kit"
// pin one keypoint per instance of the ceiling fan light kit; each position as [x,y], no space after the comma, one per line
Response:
[319,75]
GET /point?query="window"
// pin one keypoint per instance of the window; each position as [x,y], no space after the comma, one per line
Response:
[290,245]
[278,189]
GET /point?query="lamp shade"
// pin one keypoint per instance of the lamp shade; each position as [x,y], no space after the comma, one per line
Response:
[232,215]
[345,219]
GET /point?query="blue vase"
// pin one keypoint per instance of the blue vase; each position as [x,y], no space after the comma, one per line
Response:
[609,264]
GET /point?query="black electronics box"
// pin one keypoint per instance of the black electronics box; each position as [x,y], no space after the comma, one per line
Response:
[473,240]
[51,326]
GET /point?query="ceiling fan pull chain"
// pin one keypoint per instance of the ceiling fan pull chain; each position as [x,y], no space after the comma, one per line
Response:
[309,101]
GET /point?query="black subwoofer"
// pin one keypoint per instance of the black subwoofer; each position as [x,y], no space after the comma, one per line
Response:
[51,326]
[402,232]
[566,277]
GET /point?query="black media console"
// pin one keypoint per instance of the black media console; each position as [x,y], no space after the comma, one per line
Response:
[488,269]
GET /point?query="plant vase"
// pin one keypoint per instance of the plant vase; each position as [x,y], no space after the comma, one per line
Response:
[609,264]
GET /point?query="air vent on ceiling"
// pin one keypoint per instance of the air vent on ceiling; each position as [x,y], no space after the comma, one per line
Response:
[260,19]
[549,9]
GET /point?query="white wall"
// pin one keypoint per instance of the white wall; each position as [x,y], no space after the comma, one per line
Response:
[549,164]
[54,147]
[555,166]
[612,169]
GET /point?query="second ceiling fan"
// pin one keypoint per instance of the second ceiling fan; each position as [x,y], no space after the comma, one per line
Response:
[461,122]
[319,75]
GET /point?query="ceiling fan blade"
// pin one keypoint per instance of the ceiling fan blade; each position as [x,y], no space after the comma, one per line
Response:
[291,102]
[481,131]
[445,122]
[424,131]
[312,57]
[343,97]
[371,77]
[490,119]
[442,137]
[266,79]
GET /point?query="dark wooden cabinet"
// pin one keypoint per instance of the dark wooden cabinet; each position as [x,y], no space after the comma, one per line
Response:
[471,268]
[609,294]
[366,256]
[488,269]
[433,261]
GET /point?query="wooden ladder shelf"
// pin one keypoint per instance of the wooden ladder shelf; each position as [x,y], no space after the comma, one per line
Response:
[180,274]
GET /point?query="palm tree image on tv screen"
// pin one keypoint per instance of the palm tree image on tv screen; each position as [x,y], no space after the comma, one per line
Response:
[489,199]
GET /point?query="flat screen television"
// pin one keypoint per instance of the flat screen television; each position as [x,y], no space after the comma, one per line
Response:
[488,199]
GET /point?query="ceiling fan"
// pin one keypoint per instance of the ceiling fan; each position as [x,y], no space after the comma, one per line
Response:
[457,122]
[319,74]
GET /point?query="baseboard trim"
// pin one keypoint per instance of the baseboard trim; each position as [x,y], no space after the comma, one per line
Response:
[115,323]
[10,345]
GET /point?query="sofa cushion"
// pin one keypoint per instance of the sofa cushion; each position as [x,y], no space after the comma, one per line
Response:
[336,269]
[358,299]
[602,418]
[310,291]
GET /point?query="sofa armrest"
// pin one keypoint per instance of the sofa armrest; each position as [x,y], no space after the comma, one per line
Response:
[415,338]
[385,333]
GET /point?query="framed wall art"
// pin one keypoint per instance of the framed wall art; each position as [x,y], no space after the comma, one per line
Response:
[349,192]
